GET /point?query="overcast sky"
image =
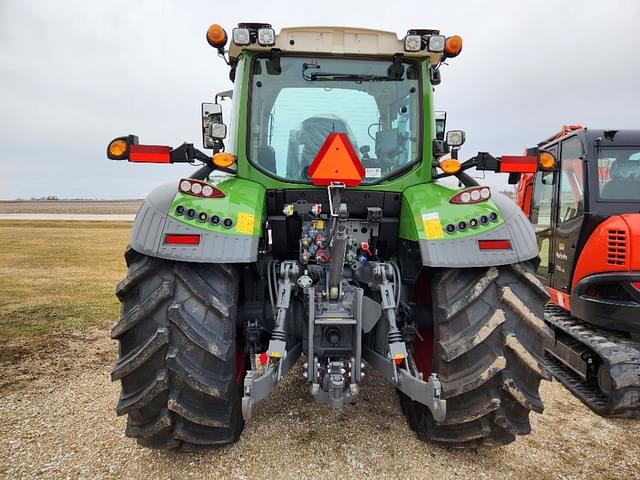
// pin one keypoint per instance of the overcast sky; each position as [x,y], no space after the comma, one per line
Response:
[75,74]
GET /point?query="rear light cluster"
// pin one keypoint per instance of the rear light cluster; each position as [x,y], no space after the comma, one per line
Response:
[199,189]
[463,225]
[191,213]
[471,195]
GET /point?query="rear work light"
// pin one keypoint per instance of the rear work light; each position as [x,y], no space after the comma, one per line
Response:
[494,244]
[413,43]
[266,37]
[181,239]
[471,195]
[197,188]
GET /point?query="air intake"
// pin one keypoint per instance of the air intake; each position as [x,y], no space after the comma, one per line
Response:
[617,248]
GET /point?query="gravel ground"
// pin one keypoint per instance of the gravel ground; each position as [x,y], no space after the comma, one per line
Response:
[58,421]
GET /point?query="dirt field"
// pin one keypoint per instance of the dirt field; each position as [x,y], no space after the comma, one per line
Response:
[71,206]
[57,401]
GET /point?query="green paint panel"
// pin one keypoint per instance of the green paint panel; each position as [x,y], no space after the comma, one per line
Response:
[243,204]
[427,206]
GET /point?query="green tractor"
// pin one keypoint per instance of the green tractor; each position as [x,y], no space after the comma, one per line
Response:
[320,230]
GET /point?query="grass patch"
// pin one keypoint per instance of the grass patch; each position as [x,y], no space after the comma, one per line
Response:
[59,276]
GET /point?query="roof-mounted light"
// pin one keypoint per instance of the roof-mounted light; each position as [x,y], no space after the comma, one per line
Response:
[241,36]
[453,46]
[435,43]
[216,36]
[266,37]
[413,43]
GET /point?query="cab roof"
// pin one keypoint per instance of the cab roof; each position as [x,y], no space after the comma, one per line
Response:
[337,40]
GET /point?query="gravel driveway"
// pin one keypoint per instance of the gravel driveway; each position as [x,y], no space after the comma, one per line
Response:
[58,421]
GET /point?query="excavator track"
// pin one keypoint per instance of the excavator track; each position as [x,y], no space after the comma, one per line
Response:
[618,354]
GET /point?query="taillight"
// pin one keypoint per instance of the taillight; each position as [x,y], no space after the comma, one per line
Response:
[636,285]
[199,189]
[494,244]
[181,239]
[471,195]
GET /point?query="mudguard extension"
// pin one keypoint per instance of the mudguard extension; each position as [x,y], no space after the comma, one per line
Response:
[426,213]
[237,243]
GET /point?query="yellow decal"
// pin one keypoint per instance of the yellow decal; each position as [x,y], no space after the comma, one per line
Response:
[318,224]
[432,226]
[245,222]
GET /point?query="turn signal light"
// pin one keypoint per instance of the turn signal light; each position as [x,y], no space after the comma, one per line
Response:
[450,166]
[118,148]
[453,46]
[547,161]
[223,160]
[216,36]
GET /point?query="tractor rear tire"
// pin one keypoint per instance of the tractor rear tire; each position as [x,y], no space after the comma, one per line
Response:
[178,357]
[489,337]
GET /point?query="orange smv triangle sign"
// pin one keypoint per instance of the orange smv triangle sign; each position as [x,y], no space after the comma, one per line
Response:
[336,161]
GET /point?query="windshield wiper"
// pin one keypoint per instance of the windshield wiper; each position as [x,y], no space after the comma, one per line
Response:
[348,77]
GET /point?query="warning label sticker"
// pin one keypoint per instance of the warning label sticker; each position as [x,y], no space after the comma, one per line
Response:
[245,223]
[432,226]
[373,172]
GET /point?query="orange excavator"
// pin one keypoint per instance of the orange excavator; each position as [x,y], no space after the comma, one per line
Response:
[587,219]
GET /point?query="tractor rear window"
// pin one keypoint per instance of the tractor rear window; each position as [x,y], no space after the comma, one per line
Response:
[376,103]
[619,174]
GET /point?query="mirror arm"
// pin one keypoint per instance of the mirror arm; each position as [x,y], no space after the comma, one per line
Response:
[187,153]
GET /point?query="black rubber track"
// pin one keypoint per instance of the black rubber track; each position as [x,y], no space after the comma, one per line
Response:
[489,354]
[178,353]
[619,355]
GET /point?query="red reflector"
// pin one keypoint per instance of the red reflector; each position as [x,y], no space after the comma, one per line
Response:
[494,244]
[263,358]
[518,164]
[182,239]
[636,284]
[149,154]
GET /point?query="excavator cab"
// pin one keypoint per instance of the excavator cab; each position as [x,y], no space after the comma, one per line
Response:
[586,215]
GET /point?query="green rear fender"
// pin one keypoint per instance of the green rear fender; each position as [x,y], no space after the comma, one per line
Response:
[426,212]
[227,229]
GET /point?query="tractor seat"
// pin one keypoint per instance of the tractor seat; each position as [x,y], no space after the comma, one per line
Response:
[625,181]
[313,133]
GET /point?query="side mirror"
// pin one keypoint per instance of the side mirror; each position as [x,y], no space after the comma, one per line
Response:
[441,124]
[455,138]
[213,128]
